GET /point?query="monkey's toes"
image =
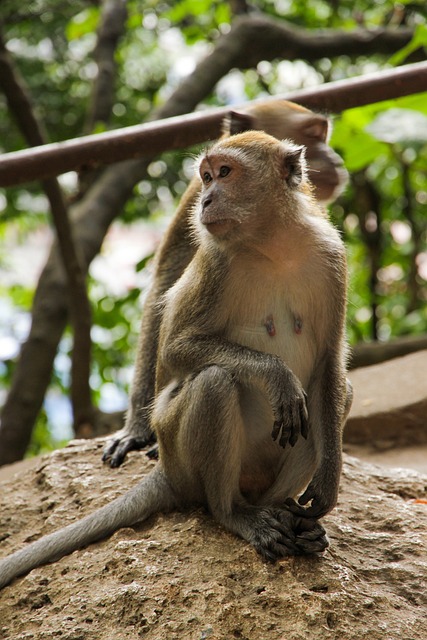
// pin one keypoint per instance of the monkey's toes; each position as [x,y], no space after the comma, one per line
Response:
[153,452]
[307,546]
[310,536]
[116,449]
[270,533]
[273,545]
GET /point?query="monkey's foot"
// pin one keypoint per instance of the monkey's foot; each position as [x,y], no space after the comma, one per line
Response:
[310,536]
[277,533]
[121,443]
[153,452]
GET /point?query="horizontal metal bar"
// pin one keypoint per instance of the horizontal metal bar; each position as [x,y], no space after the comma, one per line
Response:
[153,138]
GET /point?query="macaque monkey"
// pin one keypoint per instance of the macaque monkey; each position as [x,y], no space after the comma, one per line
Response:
[280,119]
[251,392]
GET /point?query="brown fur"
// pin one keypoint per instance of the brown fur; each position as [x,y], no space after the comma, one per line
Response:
[225,383]
[281,119]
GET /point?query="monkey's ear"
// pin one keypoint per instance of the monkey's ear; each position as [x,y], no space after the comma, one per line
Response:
[237,122]
[317,127]
[294,165]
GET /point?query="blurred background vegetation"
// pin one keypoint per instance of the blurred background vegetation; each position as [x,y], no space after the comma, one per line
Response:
[55,45]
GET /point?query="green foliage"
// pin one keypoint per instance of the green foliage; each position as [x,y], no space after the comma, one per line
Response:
[419,41]
[82,23]
[387,142]
[196,19]
[42,440]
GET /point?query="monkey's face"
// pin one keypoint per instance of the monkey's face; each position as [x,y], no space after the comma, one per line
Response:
[222,208]
[326,171]
[247,180]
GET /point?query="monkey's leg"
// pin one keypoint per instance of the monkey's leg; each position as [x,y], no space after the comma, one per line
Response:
[174,254]
[330,412]
[137,432]
[210,439]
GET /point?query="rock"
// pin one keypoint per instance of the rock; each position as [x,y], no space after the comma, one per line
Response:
[390,403]
[182,577]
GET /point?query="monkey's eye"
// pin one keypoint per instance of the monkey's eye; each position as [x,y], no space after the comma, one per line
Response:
[224,171]
[206,177]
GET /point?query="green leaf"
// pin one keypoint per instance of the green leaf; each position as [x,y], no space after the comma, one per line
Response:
[186,8]
[357,147]
[418,41]
[404,126]
[143,263]
[223,13]
[362,133]
[83,23]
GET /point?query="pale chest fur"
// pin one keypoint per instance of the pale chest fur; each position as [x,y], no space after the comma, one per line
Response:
[278,312]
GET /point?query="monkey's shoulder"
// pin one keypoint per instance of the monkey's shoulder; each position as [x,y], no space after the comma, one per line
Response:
[322,235]
[201,282]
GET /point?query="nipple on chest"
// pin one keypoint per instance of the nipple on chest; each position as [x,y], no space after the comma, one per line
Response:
[269,325]
[271,328]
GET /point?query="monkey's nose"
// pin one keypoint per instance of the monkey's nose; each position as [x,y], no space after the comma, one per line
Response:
[206,202]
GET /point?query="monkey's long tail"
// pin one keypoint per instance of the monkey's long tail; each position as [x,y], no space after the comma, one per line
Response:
[152,495]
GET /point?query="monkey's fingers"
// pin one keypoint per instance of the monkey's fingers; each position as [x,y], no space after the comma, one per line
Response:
[299,424]
[273,535]
[309,535]
[295,424]
[308,495]
[305,423]
[318,507]
[277,426]
[287,434]
[308,528]
[294,507]
[292,535]
[282,429]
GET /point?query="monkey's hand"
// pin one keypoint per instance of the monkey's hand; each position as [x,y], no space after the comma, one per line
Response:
[121,443]
[322,492]
[289,402]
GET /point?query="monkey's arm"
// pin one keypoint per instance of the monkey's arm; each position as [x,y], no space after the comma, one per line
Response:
[329,400]
[328,405]
[189,352]
[173,255]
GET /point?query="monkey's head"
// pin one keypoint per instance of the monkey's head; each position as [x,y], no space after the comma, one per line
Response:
[250,181]
[283,119]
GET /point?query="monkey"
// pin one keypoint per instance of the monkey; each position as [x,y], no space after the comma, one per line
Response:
[281,119]
[251,392]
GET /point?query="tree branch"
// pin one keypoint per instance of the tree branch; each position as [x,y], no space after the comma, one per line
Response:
[417,241]
[19,101]
[110,30]
[17,96]
[366,354]
[257,38]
